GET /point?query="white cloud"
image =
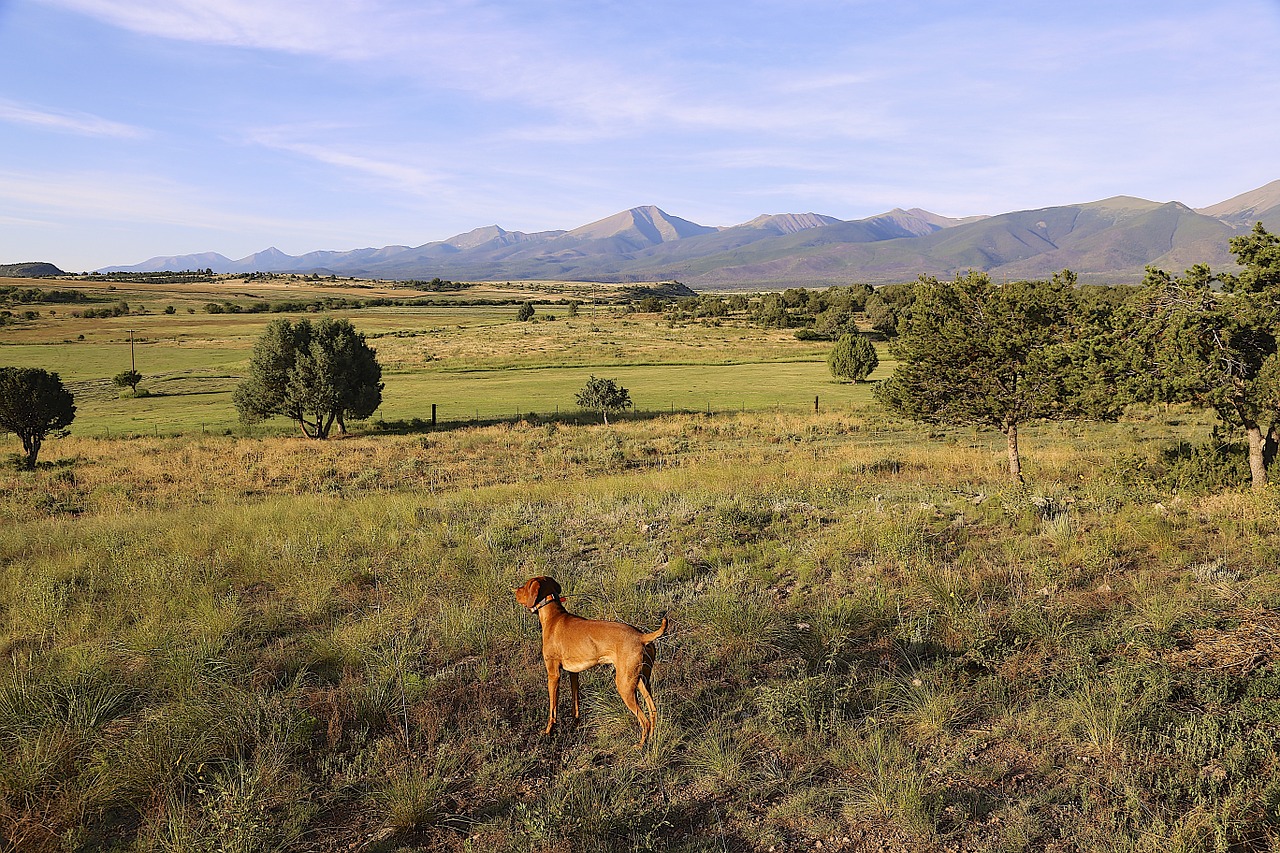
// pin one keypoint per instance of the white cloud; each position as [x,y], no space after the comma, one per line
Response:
[316,26]
[389,172]
[119,198]
[577,92]
[82,124]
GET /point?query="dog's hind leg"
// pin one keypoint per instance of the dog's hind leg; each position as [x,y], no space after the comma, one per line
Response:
[627,684]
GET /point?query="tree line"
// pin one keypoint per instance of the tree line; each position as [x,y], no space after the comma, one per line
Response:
[1002,355]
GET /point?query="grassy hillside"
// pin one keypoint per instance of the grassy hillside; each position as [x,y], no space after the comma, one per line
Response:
[246,643]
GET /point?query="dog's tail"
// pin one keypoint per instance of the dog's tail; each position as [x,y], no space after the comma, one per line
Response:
[653,635]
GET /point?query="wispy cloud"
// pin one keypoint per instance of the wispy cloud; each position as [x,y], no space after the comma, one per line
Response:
[567,90]
[401,175]
[61,121]
[314,26]
[120,198]
[407,120]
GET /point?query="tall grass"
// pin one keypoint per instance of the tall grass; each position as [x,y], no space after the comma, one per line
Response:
[875,642]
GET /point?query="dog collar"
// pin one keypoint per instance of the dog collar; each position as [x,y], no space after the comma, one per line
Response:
[543,603]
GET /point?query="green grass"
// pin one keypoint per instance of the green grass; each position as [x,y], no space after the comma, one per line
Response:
[474,363]
[229,642]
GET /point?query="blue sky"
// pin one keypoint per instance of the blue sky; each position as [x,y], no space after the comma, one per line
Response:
[135,128]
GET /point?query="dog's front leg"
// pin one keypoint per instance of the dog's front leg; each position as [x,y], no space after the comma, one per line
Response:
[553,690]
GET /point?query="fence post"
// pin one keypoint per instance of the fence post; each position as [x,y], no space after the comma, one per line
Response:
[433,415]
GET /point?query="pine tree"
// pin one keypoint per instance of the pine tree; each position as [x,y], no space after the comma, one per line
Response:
[972,352]
[853,358]
[315,375]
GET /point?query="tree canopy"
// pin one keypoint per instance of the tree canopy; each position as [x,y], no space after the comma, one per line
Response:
[127,379]
[33,404]
[315,375]
[973,352]
[604,396]
[1218,348]
[853,357]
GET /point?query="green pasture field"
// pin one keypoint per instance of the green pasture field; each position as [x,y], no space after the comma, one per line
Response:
[475,363]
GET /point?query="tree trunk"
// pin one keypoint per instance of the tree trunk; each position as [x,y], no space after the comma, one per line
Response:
[1257,456]
[31,444]
[605,412]
[1015,461]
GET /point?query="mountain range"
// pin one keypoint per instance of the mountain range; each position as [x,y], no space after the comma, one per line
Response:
[1112,240]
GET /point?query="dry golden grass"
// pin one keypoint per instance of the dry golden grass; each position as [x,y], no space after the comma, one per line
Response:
[303,645]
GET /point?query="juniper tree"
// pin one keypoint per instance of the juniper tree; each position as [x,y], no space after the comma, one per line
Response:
[1218,348]
[853,357]
[315,375]
[973,352]
[33,404]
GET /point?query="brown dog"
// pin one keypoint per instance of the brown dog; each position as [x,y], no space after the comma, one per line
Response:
[572,643]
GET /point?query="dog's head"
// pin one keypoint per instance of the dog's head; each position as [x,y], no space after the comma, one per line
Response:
[536,590]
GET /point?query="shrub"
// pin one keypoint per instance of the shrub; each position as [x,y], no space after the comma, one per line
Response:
[853,357]
[127,379]
[1208,467]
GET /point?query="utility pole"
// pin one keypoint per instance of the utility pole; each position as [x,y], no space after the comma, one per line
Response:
[133,367]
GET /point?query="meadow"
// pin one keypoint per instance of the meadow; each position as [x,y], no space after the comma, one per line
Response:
[474,362]
[214,640]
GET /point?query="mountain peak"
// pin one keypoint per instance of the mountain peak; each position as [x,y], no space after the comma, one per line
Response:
[1254,204]
[476,237]
[648,225]
[1122,202]
[790,223]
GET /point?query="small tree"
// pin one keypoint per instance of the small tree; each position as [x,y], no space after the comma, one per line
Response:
[604,396]
[526,312]
[853,358]
[33,404]
[127,379]
[971,352]
[315,375]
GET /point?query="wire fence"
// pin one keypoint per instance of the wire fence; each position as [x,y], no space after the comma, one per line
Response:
[440,417]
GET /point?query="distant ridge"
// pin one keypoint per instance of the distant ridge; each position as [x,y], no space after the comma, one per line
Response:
[1109,240]
[1260,205]
[790,223]
[30,269]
